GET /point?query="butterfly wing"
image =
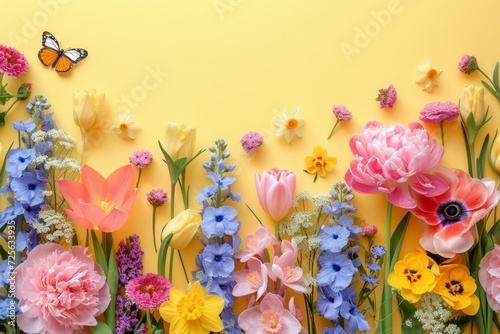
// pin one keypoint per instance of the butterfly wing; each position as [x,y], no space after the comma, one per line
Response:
[48,56]
[68,58]
[52,55]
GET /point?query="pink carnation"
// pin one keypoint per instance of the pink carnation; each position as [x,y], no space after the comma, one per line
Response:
[12,62]
[392,159]
[141,158]
[59,290]
[467,64]
[251,141]
[387,97]
[149,291]
[437,112]
[489,277]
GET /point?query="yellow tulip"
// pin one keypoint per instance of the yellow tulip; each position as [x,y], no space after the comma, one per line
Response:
[183,228]
[88,109]
[180,140]
[495,154]
[472,101]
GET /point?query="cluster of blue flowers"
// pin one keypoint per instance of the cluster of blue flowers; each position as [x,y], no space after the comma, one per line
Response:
[339,264]
[220,226]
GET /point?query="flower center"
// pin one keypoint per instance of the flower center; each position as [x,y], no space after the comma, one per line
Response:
[123,127]
[105,205]
[454,287]
[451,212]
[190,307]
[336,267]
[9,57]
[270,321]
[335,236]
[412,275]
[432,73]
[149,289]
[217,258]
[32,186]
[253,279]
[219,218]
[292,124]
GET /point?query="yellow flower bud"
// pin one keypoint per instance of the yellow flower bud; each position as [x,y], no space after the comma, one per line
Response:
[180,140]
[472,101]
[183,228]
[88,108]
[495,154]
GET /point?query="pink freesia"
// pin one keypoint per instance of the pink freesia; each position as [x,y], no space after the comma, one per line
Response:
[59,290]
[253,279]
[270,316]
[392,159]
[276,189]
[284,269]
[256,243]
[450,218]
[99,203]
[489,277]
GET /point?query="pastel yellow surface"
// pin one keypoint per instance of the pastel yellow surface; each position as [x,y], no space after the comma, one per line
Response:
[228,66]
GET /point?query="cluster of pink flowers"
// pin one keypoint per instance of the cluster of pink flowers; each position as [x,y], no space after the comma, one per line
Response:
[251,141]
[437,112]
[157,197]
[341,112]
[467,64]
[12,62]
[141,158]
[387,97]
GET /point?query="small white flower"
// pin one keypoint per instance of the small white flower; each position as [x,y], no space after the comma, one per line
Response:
[123,127]
[428,76]
[288,125]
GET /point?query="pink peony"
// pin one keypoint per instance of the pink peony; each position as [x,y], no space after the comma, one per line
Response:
[149,291]
[392,159]
[270,316]
[12,62]
[276,189]
[59,291]
[450,217]
[489,277]
[437,112]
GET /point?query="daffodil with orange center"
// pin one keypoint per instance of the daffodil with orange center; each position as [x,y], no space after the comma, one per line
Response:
[192,312]
[124,126]
[412,276]
[457,287]
[288,125]
[320,163]
[428,76]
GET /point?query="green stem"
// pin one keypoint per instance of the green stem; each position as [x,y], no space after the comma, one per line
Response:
[148,319]
[154,228]
[172,200]
[386,307]
[138,178]
[442,132]
[497,93]
[170,270]
[277,230]
[331,132]
[183,266]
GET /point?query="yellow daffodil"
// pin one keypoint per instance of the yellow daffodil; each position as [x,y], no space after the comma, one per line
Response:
[192,312]
[288,125]
[320,163]
[123,126]
[428,76]
[412,276]
[457,287]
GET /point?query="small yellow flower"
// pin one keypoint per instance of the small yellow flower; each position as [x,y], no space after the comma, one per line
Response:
[288,125]
[123,127]
[457,287]
[412,276]
[319,163]
[428,76]
[194,312]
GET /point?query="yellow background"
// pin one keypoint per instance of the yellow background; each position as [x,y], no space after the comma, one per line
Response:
[228,66]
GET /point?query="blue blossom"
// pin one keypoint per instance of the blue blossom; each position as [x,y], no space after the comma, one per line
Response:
[230,322]
[223,182]
[27,240]
[218,260]
[333,238]
[18,160]
[207,193]
[48,123]
[348,223]
[328,303]
[355,319]
[352,254]
[373,266]
[378,251]
[335,330]
[11,212]
[370,279]
[27,126]
[7,306]
[221,221]
[4,273]
[28,189]
[43,148]
[30,212]
[336,270]
[222,287]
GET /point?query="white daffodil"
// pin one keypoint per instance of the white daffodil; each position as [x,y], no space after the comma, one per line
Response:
[428,76]
[288,125]
[123,127]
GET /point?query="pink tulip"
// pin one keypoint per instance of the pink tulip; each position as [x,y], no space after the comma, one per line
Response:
[276,189]
[99,203]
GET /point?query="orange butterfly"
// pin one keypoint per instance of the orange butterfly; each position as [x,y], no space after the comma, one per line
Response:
[52,55]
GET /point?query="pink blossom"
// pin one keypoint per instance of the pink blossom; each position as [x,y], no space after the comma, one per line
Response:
[276,189]
[290,275]
[392,159]
[341,112]
[253,279]
[437,112]
[141,158]
[149,291]
[59,291]
[370,230]
[251,141]
[467,64]
[157,197]
[12,62]
[256,243]
[387,97]
[489,277]
[270,316]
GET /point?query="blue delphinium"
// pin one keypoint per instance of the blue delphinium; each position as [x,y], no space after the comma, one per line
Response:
[219,225]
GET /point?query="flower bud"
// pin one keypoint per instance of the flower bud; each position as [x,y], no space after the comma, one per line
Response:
[183,228]
[88,109]
[370,230]
[24,91]
[472,101]
[180,140]
[495,154]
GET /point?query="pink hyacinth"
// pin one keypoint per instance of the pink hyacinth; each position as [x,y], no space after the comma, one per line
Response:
[59,290]
[12,62]
[489,277]
[467,64]
[276,189]
[251,141]
[392,159]
[437,112]
[149,291]
[141,158]
[387,97]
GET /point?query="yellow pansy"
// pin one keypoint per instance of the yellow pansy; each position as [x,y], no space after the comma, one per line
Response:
[320,163]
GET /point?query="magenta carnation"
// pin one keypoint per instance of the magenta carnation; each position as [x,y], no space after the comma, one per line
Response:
[467,64]
[489,277]
[149,291]
[251,141]
[392,159]
[387,97]
[12,62]
[59,290]
[437,112]
[141,158]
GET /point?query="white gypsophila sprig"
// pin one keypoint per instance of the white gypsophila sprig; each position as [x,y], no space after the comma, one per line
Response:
[312,243]
[53,225]
[309,280]
[64,163]
[320,200]
[433,314]
[301,196]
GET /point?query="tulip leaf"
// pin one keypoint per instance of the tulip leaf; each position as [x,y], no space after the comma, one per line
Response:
[112,280]
[495,230]
[101,328]
[495,77]
[2,170]
[174,175]
[162,254]
[491,89]
[467,148]
[397,240]
[490,151]
[482,157]
[98,253]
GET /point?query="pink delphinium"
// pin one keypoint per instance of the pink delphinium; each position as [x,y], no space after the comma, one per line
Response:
[253,279]
[392,159]
[148,291]
[468,64]
[256,244]
[270,316]
[276,189]
[141,158]
[251,141]
[387,97]
[59,290]
[489,277]
[12,62]
[437,112]
[342,114]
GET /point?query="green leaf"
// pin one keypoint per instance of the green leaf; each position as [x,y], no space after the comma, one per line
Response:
[490,161]
[162,254]
[4,163]
[2,118]
[99,254]
[112,280]
[172,170]
[407,311]
[495,77]
[467,149]
[495,230]
[491,89]
[101,328]
[397,240]
[482,157]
